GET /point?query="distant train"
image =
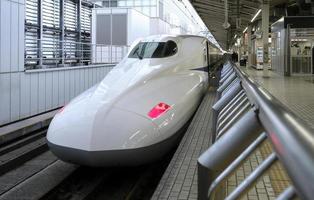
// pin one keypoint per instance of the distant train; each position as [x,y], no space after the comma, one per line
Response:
[133,115]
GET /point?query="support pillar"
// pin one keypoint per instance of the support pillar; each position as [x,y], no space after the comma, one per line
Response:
[249,45]
[40,33]
[240,49]
[79,46]
[265,29]
[61,24]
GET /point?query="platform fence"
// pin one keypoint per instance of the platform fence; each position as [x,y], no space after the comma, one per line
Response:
[248,121]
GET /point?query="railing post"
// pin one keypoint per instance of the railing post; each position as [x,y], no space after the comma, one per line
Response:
[225,150]
[221,103]
[226,83]
[225,76]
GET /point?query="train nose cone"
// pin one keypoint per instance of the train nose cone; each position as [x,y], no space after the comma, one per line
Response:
[71,129]
[116,138]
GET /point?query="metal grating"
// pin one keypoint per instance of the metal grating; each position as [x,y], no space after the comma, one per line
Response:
[51,14]
[51,49]
[86,14]
[70,20]
[31,11]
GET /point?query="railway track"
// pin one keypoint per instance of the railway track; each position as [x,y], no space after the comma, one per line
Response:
[109,183]
[61,180]
[29,171]
[18,151]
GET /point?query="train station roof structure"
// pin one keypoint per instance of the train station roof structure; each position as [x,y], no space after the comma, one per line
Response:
[240,14]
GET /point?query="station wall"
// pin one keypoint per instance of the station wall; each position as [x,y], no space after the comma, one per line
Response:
[27,93]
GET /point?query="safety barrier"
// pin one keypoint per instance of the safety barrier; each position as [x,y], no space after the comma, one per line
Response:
[245,116]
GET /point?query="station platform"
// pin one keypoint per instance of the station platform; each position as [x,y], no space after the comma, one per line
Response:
[295,92]
[180,179]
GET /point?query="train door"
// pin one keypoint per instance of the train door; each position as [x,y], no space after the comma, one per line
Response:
[208,60]
[207,54]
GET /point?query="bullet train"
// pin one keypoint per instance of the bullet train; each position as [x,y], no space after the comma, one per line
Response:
[134,114]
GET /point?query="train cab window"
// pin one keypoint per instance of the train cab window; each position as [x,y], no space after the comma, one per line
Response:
[154,50]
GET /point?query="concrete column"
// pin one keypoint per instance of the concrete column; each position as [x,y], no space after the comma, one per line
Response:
[265,29]
[249,45]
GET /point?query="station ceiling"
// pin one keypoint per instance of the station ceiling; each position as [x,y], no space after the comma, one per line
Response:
[212,13]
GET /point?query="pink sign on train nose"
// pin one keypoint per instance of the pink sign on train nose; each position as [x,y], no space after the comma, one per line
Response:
[158,110]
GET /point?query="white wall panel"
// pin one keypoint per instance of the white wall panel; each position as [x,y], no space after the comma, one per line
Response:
[25,103]
[72,83]
[106,71]
[61,89]
[49,89]
[90,78]
[67,86]
[82,81]
[23,94]
[15,96]
[94,75]
[5,97]
[14,47]
[55,89]
[77,82]
[41,92]
[34,93]
[21,36]
[86,78]
[99,73]
[5,33]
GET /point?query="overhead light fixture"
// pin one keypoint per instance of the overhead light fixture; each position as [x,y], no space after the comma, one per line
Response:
[258,12]
[235,36]
[226,24]
[245,30]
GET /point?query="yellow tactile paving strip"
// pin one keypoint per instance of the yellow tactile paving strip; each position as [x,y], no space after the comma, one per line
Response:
[262,190]
[277,174]
[269,186]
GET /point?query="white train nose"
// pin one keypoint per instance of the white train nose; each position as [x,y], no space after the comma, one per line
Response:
[110,139]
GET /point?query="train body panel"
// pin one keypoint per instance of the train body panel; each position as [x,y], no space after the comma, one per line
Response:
[118,114]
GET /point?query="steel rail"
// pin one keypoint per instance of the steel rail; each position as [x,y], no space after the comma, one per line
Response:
[291,138]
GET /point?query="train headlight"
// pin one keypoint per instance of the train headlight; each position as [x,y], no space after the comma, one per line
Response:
[158,110]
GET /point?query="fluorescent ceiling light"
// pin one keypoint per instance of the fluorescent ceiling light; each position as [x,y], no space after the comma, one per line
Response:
[235,36]
[245,30]
[258,12]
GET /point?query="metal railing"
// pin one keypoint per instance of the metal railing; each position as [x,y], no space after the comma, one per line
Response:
[55,53]
[245,116]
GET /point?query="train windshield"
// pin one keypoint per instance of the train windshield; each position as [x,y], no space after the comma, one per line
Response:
[154,50]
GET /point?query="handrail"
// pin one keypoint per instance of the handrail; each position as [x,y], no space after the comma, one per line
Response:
[292,139]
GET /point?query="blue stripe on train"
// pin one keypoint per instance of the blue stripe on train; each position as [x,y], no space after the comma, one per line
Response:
[204,69]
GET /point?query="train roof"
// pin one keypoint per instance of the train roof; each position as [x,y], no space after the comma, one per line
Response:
[164,38]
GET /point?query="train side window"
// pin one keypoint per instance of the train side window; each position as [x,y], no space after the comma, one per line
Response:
[154,50]
[171,48]
[136,52]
